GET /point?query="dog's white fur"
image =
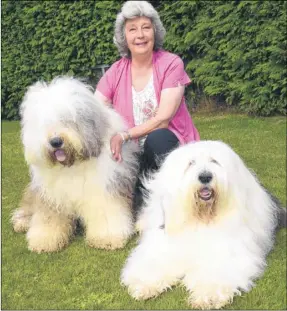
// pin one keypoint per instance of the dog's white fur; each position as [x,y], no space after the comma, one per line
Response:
[88,184]
[215,247]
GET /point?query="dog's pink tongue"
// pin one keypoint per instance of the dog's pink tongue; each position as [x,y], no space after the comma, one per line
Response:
[60,155]
[205,192]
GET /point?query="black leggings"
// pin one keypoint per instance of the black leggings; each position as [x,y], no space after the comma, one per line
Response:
[157,146]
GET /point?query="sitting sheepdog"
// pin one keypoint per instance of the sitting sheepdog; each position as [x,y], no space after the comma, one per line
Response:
[207,224]
[66,136]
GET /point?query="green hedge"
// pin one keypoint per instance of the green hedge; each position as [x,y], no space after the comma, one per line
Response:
[234,50]
[43,39]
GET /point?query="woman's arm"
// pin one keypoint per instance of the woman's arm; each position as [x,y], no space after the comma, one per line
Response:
[102,98]
[169,103]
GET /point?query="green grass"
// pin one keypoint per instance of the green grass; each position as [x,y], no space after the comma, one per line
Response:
[83,278]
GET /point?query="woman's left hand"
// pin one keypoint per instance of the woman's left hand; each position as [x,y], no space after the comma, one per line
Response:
[116,147]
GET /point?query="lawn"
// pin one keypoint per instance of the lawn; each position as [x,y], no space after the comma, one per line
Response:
[80,277]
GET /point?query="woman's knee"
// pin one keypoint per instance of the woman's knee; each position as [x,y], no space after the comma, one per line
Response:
[161,141]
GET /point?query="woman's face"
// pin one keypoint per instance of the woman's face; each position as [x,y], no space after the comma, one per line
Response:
[139,35]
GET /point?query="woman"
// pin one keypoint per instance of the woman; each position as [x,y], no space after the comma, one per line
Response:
[146,86]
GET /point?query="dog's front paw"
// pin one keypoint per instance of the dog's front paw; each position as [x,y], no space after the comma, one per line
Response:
[45,239]
[140,287]
[108,243]
[20,220]
[141,291]
[211,297]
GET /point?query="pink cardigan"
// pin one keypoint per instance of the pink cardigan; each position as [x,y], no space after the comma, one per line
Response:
[168,72]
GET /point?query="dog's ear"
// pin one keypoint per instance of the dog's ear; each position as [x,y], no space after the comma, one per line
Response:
[177,213]
[96,149]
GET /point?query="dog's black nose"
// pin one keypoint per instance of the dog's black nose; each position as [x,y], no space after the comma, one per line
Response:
[56,142]
[205,177]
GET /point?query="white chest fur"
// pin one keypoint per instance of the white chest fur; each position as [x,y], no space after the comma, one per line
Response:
[73,186]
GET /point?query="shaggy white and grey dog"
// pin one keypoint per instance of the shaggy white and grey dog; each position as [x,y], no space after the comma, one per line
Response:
[66,135]
[207,224]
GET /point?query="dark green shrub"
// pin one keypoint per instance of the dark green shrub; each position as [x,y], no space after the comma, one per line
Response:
[234,50]
[43,39]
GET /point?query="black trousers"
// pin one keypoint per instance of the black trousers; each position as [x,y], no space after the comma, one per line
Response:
[157,146]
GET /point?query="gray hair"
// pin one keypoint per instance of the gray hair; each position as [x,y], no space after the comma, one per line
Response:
[133,9]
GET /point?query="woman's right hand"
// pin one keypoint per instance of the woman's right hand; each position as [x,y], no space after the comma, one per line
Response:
[116,147]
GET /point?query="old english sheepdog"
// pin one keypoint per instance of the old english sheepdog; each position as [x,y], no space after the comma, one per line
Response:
[207,224]
[66,135]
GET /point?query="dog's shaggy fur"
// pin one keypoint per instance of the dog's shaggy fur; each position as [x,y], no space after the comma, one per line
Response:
[66,135]
[207,224]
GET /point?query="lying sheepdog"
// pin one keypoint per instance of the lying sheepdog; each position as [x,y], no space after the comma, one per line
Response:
[207,224]
[66,136]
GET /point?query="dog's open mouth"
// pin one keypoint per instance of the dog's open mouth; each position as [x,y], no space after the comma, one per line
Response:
[60,155]
[205,193]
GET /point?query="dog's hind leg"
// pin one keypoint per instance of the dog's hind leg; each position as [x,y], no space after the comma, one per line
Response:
[152,268]
[21,217]
[49,229]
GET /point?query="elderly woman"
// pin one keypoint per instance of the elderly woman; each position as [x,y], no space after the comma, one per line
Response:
[146,86]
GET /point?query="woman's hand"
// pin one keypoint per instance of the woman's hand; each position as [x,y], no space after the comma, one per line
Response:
[116,147]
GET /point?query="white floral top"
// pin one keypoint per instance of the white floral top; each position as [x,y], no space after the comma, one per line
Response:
[144,105]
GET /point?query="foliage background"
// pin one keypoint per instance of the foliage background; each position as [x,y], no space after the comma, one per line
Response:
[235,51]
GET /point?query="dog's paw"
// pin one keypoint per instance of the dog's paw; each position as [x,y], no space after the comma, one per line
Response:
[141,291]
[20,220]
[211,298]
[108,243]
[142,288]
[44,239]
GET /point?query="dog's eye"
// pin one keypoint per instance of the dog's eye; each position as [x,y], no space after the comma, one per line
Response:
[214,161]
[190,163]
